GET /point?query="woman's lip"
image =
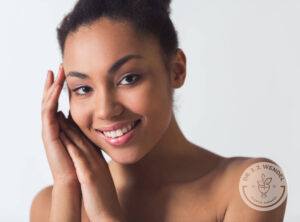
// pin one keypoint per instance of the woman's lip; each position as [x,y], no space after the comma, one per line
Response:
[122,139]
[116,126]
[120,126]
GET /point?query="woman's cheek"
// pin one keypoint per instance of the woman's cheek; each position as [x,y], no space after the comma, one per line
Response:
[79,113]
[154,104]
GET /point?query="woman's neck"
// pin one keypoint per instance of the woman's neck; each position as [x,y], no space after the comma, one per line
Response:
[172,159]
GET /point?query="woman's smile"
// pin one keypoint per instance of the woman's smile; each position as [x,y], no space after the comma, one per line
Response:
[120,136]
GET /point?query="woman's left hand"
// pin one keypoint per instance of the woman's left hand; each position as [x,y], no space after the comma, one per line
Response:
[98,191]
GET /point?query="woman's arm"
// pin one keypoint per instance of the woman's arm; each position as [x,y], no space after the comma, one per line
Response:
[60,202]
[78,167]
[66,203]
[65,196]
[239,212]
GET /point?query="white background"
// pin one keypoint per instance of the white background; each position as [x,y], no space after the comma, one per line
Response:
[241,96]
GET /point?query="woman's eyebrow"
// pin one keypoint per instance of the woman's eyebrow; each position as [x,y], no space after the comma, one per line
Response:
[111,70]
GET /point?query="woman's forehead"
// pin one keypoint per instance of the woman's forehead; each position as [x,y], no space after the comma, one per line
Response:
[106,44]
[107,36]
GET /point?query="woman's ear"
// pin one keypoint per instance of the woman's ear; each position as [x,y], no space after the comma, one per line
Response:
[178,69]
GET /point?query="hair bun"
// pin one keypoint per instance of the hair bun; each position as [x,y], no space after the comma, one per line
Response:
[163,5]
[166,5]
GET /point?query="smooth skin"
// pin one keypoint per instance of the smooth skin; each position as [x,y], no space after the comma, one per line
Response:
[159,175]
[76,163]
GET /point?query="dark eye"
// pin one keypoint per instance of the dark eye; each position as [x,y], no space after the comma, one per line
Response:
[130,79]
[82,89]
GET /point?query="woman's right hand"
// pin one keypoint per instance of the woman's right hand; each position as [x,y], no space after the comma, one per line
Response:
[61,164]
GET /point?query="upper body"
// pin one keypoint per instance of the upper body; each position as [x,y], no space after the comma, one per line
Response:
[122,63]
[212,196]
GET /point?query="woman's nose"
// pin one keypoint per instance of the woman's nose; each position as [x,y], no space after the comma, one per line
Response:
[106,106]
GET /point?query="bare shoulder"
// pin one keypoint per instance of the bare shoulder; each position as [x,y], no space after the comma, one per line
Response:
[239,205]
[40,206]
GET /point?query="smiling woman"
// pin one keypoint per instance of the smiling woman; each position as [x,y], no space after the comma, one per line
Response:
[121,63]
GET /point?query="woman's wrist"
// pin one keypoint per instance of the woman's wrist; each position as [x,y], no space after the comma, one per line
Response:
[72,184]
[66,203]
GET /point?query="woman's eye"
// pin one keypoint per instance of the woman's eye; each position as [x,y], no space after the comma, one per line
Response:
[80,91]
[130,79]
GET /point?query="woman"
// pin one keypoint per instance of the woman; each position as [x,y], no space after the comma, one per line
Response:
[121,63]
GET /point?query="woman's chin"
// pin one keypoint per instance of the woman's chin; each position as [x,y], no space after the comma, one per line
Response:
[126,158]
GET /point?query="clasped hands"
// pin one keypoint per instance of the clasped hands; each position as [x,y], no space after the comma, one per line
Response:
[98,191]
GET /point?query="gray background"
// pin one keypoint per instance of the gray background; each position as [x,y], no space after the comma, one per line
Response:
[241,96]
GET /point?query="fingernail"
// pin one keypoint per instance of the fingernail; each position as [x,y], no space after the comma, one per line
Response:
[61,67]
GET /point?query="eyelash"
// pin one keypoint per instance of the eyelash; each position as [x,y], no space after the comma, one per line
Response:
[136,76]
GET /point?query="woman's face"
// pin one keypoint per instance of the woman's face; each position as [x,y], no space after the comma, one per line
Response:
[135,88]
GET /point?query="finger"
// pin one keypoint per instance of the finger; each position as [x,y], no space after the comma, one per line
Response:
[79,159]
[51,102]
[74,152]
[95,147]
[47,85]
[58,156]
[77,137]
[48,82]
[50,106]
[59,81]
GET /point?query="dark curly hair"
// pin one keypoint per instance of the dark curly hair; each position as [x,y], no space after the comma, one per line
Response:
[146,16]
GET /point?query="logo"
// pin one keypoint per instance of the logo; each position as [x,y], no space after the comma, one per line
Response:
[263,186]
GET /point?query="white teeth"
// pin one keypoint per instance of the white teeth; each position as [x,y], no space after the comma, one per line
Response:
[118,132]
[124,130]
